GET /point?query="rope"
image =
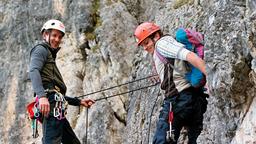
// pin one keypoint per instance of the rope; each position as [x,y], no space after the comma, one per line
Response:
[150,117]
[99,99]
[115,86]
[87,125]
[87,109]
[111,96]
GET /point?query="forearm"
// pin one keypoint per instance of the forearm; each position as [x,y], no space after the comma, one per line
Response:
[196,61]
[73,101]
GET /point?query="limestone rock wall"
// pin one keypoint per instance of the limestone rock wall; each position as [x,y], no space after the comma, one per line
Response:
[99,51]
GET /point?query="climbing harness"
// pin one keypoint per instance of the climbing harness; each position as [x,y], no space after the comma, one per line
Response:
[60,108]
[59,111]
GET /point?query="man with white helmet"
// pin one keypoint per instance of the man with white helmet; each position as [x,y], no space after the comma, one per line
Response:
[50,88]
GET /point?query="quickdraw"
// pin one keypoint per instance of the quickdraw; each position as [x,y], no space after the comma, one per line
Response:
[34,116]
[60,108]
[34,124]
[170,134]
[59,111]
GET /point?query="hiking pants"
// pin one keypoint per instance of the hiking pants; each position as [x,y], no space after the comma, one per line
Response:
[188,108]
[57,131]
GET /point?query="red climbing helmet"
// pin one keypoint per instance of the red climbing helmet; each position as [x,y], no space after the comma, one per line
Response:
[144,30]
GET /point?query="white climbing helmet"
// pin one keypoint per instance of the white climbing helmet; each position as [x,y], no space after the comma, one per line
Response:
[54,24]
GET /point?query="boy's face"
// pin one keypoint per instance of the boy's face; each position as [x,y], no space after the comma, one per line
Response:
[149,45]
[55,38]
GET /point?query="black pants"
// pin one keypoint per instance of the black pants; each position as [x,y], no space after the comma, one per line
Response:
[188,107]
[57,131]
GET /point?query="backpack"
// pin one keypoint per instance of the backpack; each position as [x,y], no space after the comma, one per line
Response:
[194,42]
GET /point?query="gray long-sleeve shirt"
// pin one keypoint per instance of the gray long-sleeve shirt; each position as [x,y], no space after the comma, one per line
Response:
[38,57]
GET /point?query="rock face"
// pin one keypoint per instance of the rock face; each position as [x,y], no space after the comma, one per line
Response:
[99,51]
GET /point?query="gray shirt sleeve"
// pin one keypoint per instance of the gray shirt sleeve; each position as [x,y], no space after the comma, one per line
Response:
[38,57]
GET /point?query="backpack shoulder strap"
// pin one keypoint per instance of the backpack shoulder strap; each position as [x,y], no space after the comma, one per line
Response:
[41,44]
[161,57]
[168,61]
[49,53]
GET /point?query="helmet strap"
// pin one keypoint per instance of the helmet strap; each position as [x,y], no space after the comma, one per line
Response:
[48,37]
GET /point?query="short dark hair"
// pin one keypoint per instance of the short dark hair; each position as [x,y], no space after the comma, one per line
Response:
[153,34]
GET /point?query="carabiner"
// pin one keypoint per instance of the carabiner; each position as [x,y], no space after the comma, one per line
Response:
[56,112]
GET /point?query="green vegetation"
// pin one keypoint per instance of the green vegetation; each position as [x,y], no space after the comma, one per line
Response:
[179,3]
[95,13]
[96,21]
[109,2]
[90,35]
[95,48]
